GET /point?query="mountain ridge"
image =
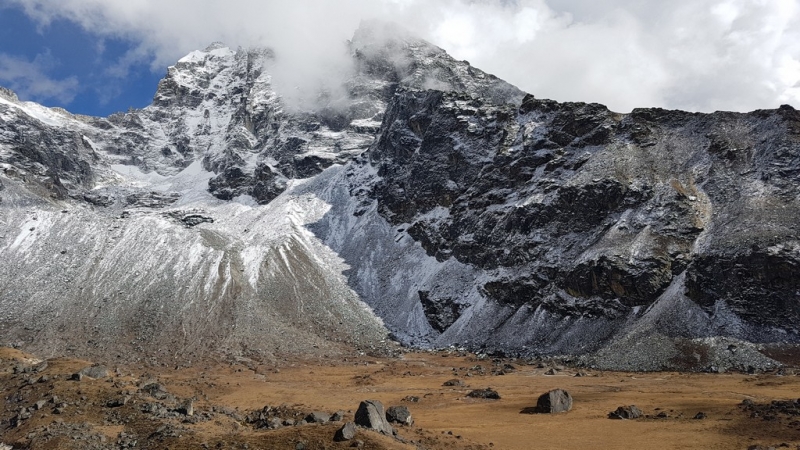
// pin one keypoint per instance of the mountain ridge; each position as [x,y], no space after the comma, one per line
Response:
[459,209]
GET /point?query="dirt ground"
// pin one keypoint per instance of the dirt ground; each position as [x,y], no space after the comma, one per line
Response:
[444,416]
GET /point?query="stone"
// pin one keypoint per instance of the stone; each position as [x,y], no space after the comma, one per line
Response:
[118,402]
[487,393]
[455,382]
[371,415]
[626,412]
[346,432]
[318,417]
[95,372]
[399,414]
[554,401]
[39,405]
[187,408]
[701,415]
[338,416]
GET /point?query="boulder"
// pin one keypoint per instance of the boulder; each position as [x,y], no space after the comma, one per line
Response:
[187,408]
[555,401]
[318,417]
[371,415]
[488,393]
[347,432]
[626,412]
[95,372]
[399,414]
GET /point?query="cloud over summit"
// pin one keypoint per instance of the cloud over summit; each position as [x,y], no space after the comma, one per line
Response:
[698,55]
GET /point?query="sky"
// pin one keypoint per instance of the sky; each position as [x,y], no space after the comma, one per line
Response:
[97,57]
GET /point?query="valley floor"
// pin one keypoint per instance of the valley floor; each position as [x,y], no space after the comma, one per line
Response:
[146,407]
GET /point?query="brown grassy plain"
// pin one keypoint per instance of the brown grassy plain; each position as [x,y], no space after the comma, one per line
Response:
[444,416]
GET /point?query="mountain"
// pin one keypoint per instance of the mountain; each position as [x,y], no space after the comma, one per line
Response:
[432,203]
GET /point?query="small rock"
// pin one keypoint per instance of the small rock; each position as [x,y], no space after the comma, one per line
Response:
[626,412]
[411,399]
[95,372]
[318,417]
[454,382]
[701,415]
[488,393]
[552,371]
[117,402]
[274,423]
[39,405]
[555,401]
[338,416]
[345,433]
[399,414]
[187,408]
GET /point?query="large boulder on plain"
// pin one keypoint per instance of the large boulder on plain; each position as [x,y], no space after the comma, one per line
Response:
[371,415]
[555,401]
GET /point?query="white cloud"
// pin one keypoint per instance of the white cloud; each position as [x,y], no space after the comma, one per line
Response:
[699,55]
[30,81]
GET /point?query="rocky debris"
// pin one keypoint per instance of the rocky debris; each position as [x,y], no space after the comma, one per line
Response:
[399,414]
[346,432]
[272,417]
[455,382]
[371,415]
[554,401]
[99,198]
[156,390]
[786,412]
[487,393]
[318,417]
[626,412]
[191,220]
[411,399]
[152,199]
[94,372]
[503,368]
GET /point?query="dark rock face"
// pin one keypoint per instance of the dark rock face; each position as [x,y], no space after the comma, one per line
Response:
[555,401]
[579,210]
[371,415]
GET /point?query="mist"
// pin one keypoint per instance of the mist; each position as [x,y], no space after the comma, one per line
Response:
[696,55]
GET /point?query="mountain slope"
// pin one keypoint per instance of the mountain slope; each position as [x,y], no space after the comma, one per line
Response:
[460,210]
